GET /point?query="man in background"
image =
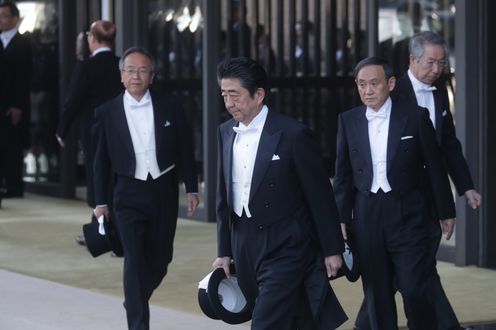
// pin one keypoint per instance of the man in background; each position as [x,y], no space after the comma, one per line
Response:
[15,80]
[94,81]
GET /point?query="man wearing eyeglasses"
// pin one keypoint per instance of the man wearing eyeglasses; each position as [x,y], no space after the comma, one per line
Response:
[94,81]
[143,142]
[15,80]
[422,85]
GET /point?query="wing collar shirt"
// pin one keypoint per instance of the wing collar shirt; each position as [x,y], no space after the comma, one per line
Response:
[139,116]
[378,138]
[7,36]
[424,95]
[244,153]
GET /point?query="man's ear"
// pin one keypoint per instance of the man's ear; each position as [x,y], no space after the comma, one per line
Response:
[260,94]
[391,83]
[412,59]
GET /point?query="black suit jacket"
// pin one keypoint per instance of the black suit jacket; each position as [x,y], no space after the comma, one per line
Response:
[15,84]
[114,147]
[94,81]
[445,132]
[296,184]
[411,150]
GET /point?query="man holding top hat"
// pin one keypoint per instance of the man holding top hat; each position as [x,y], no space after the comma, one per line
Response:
[276,215]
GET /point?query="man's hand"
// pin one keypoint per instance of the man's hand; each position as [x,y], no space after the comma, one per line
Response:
[15,115]
[333,263]
[448,227]
[193,200]
[473,198]
[99,210]
[60,141]
[223,262]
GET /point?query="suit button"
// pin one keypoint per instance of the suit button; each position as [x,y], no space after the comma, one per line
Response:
[260,227]
[354,150]
[266,205]
[271,185]
[360,171]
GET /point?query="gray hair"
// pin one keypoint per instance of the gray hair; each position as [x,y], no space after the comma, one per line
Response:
[136,49]
[420,39]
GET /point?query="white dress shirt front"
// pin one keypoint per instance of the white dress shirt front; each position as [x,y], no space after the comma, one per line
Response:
[244,153]
[139,116]
[424,95]
[6,36]
[378,139]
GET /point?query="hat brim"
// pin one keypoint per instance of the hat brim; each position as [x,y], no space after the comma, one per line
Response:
[349,269]
[223,299]
[217,300]
[98,244]
[205,306]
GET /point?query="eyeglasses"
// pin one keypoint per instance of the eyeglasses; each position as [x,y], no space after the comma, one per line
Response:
[430,63]
[133,71]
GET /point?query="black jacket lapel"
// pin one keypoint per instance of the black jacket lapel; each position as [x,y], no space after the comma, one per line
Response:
[439,109]
[362,131]
[267,145]
[227,152]
[397,123]
[159,119]
[121,123]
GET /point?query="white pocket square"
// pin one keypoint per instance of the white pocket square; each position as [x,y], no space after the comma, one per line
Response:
[275,157]
[167,123]
[407,137]
[444,113]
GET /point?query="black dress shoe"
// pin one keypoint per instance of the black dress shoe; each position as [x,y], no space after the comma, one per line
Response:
[80,240]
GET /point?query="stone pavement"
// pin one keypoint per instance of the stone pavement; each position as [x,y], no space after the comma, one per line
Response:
[49,282]
[29,303]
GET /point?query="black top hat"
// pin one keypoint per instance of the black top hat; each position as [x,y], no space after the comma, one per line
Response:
[222,298]
[97,243]
[350,265]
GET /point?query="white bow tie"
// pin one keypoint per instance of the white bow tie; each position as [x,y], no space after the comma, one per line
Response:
[371,114]
[426,89]
[244,129]
[139,105]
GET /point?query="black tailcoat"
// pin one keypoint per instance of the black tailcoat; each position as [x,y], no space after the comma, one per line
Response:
[279,252]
